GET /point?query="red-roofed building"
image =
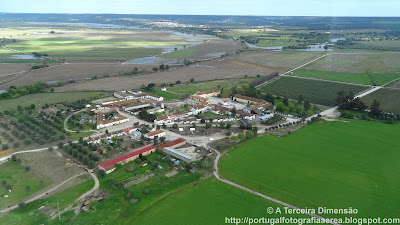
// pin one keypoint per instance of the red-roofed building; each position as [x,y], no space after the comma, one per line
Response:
[109,166]
[158,133]
[175,143]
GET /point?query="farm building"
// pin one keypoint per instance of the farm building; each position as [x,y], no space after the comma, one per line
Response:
[156,133]
[134,92]
[101,122]
[207,94]
[109,166]
[150,96]
[265,117]
[259,103]
[245,115]
[199,109]
[5,155]
[174,143]
[197,100]
[179,155]
[124,102]
[123,95]
[220,110]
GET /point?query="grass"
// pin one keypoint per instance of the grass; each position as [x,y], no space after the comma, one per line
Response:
[30,214]
[209,202]
[16,176]
[357,78]
[181,54]
[192,88]
[329,164]
[41,99]
[315,91]
[166,95]
[81,43]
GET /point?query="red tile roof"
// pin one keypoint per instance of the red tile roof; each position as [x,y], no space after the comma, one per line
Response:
[172,143]
[110,163]
[155,132]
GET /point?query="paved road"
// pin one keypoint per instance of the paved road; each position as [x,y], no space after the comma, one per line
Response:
[216,174]
[36,197]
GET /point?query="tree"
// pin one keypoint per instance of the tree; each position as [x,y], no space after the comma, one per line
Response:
[249,134]
[27,188]
[241,136]
[3,182]
[306,105]
[228,126]
[155,69]
[375,108]
[146,191]
[167,67]
[142,86]
[21,205]
[300,99]
[286,101]
[162,139]
[27,169]
[8,187]
[162,67]
[191,80]
[102,173]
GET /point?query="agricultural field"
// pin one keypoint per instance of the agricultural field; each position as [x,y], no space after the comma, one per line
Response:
[209,197]
[7,68]
[74,43]
[359,62]
[356,78]
[280,61]
[65,73]
[192,88]
[15,175]
[212,48]
[224,68]
[40,99]
[351,164]
[32,215]
[389,99]
[315,91]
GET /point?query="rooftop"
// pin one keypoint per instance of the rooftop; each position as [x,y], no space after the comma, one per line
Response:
[172,143]
[108,165]
[155,132]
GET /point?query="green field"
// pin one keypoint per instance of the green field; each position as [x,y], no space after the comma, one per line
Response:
[329,164]
[209,202]
[30,214]
[166,95]
[208,85]
[181,54]
[16,176]
[389,99]
[315,91]
[76,43]
[356,78]
[41,99]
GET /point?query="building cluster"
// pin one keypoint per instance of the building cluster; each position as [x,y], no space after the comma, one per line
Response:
[200,103]
[110,118]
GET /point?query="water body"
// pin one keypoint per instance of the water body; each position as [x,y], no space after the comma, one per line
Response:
[153,60]
[24,57]
[194,40]
[310,48]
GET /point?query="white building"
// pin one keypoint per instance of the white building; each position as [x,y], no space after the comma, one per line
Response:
[199,109]
[123,95]
[156,133]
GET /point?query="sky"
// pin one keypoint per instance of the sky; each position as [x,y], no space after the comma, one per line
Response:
[380,8]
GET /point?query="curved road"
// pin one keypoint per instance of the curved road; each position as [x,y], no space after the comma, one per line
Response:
[40,195]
